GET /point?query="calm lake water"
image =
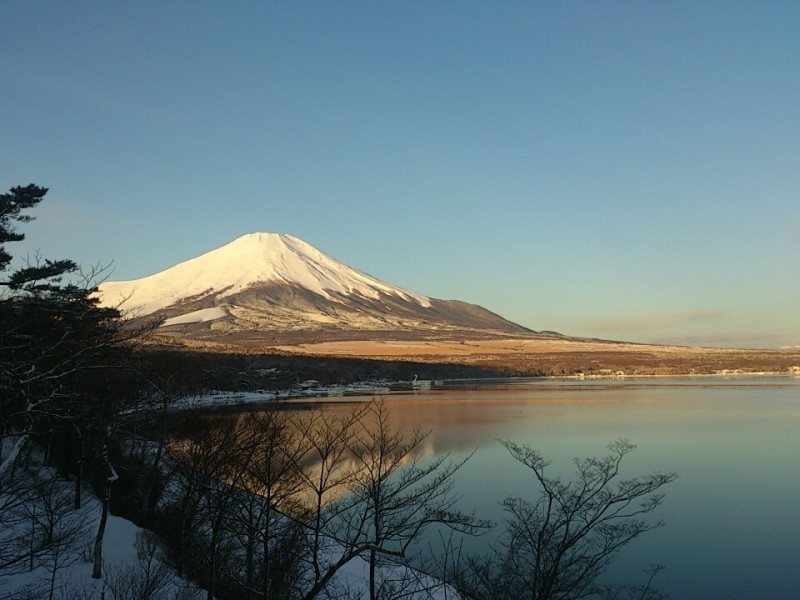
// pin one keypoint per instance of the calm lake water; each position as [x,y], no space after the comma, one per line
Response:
[732,525]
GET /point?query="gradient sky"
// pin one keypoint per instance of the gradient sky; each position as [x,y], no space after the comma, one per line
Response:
[624,170]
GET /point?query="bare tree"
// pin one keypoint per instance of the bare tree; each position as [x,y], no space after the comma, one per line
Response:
[326,470]
[269,513]
[105,500]
[39,528]
[397,494]
[394,493]
[214,460]
[558,545]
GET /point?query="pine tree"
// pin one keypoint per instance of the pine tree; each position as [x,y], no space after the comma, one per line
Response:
[50,329]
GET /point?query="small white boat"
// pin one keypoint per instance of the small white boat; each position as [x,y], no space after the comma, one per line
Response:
[421,384]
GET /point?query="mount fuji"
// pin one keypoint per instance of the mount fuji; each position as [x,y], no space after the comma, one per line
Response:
[267,288]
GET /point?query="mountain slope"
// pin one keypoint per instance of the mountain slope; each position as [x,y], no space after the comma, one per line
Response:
[251,260]
[276,287]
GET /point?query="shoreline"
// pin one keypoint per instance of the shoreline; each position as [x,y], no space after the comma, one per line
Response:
[233,401]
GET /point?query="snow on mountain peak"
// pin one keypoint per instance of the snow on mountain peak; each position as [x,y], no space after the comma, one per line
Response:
[247,261]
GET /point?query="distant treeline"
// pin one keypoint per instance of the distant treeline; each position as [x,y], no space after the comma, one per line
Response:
[196,372]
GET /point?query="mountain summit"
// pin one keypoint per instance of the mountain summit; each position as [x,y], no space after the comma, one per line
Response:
[268,286]
[252,260]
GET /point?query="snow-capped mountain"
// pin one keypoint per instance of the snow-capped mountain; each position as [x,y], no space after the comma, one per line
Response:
[251,260]
[272,284]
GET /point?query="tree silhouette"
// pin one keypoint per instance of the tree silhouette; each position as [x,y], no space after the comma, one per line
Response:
[558,545]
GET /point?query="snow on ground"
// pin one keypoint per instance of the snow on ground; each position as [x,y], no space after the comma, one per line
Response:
[407,583]
[64,568]
[225,399]
[220,399]
[124,566]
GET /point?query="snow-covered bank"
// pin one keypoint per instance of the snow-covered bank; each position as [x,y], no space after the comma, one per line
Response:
[47,543]
[54,542]
[227,399]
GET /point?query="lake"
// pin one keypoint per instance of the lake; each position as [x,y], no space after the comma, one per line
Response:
[732,526]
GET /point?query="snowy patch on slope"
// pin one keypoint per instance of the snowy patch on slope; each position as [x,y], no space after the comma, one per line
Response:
[197,316]
[251,259]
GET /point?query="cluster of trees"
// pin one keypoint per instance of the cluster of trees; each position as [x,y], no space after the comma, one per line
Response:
[276,504]
[200,372]
[269,505]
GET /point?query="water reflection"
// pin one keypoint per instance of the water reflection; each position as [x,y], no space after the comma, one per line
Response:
[731,529]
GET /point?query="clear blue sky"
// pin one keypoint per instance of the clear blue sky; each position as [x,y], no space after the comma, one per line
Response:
[625,170]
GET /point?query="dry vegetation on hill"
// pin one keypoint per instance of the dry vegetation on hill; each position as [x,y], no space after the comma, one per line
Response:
[565,357]
[537,354]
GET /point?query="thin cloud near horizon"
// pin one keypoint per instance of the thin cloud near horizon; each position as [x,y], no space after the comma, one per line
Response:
[649,320]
